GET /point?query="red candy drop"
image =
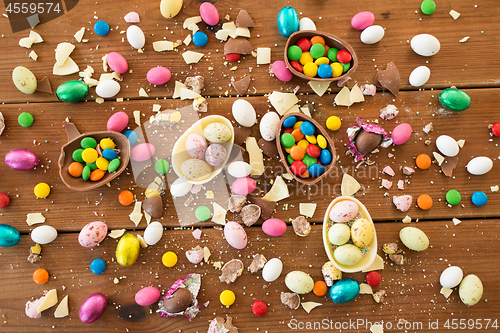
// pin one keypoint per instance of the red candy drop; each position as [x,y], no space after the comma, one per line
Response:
[496,129]
[298,168]
[313,150]
[344,56]
[373,278]
[233,57]
[259,308]
[297,66]
[304,44]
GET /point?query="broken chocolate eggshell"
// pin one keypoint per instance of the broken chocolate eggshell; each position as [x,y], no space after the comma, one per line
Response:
[178,301]
[153,206]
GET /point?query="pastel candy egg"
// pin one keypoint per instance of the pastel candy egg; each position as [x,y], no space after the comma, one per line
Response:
[153,233]
[244,113]
[348,254]
[143,152]
[425,45]
[195,146]
[272,270]
[339,234]
[44,234]
[170,8]
[243,186]
[147,296]
[132,17]
[217,132]
[92,308]
[21,159]
[209,13]
[414,238]
[107,88]
[9,236]
[281,71]
[24,80]
[215,154]
[306,23]
[479,165]
[451,277]
[268,126]
[419,76]
[158,75]
[299,282]
[372,34]
[92,234]
[239,169]
[401,133]
[343,211]
[274,227]
[345,290]
[447,145]
[470,290]
[117,62]
[180,187]
[288,21]
[72,91]
[362,232]
[195,169]
[362,20]
[135,37]
[117,122]
[235,235]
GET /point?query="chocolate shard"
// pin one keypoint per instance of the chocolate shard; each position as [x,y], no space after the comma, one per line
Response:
[244,20]
[389,78]
[269,148]
[44,86]
[241,134]
[218,325]
[153,206]
[266,206]
[301,226]
[241,86]
[398,259]
[238,45]
[258,263]
[236,203]
[449,164]
[292,300]
[379,296]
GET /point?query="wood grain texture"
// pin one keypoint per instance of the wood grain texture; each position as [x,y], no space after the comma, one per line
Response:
[67,210]
[470,64]
[412,289]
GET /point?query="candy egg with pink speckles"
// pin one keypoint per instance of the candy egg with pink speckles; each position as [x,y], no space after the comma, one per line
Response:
[92,234]
[343,211]
[269,124]
[215,154]
[196,146]
[235,235]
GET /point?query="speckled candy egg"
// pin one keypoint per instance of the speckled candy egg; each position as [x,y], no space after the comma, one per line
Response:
[401,133]
[93,234]
[196,146]
[21,159]
[344,211]
[269,124]
[339,234]
[362,232]
[414,238]
[348,254]
[195,169]
[299,282]
[235,235]
[217,132]
[215,154]
[451,277]
[470,290]
[243,186]
[147,296]
[345,290]
[274,227]
[24,80]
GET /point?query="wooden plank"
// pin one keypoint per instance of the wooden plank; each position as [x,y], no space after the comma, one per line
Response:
[462,64]
[67,210]
[412,289]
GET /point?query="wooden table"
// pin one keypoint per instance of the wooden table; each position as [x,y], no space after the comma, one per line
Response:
[412,289]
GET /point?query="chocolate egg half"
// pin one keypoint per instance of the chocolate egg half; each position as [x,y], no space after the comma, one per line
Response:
[178,301]
[366,142]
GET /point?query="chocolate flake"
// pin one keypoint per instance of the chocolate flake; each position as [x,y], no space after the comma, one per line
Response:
[241,86]
[389,78]
[449,165]
[398,259]
[195,83]
[267,206]
[238,45]
[44,86]
[236,203]
[390,248]
[244,20]
[258,263]
[268,148]
[292,300]
[217,325]
[241,134]
[379,296]
[250,214]
[231,270]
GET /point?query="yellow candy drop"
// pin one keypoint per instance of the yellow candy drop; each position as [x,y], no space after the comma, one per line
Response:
[322,143]
[102,163]
[303,144]
[107,144]
[42,190]
[169,259]
[333,123]
[311,139]
[89,155]
[337,69]
[227,298]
